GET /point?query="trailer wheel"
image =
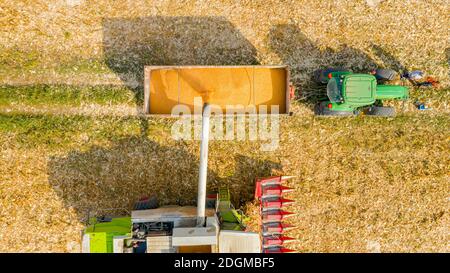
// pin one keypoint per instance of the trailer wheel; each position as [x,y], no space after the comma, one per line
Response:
[380,111]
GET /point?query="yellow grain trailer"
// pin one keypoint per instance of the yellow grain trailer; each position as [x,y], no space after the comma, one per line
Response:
[232,86]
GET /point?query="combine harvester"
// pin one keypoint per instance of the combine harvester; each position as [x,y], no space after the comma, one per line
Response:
[214,225]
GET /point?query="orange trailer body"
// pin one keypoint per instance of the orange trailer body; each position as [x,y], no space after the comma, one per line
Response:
[228,87]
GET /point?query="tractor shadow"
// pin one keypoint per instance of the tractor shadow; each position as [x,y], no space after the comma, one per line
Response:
[304,57]
[388,59]
[109,180]
[130,44]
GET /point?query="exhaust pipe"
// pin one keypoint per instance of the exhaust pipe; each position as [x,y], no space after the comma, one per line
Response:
[201,197]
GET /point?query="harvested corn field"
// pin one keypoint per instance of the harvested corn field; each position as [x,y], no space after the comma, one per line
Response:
[363,184]
[73,139]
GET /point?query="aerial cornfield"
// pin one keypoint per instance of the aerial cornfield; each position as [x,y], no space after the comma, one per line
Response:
[73,139]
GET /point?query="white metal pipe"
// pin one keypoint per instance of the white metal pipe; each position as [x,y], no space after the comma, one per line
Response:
[201,197]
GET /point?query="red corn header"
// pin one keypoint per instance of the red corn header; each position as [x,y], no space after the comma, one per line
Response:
[269,191]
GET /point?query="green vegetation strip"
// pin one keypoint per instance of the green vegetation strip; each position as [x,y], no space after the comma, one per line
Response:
[30,130]
[47,95]
[53,131]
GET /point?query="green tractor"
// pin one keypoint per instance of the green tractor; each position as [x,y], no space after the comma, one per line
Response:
[350,93]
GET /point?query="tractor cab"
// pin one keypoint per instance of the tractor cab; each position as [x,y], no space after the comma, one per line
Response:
[353,89]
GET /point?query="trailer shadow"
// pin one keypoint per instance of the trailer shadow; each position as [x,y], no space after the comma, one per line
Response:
[304,57]
[109,180]
[130,44]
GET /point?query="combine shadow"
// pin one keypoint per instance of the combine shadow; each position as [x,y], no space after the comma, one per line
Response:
[109,180]
[304,57]
[130,44]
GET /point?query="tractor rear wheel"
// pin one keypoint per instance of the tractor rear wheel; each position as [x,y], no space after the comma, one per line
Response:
[380,111]
[385,74]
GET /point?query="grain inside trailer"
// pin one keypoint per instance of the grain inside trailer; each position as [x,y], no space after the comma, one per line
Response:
[228,87]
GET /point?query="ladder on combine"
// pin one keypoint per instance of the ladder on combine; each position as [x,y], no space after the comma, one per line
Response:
[269,191]
[231,219]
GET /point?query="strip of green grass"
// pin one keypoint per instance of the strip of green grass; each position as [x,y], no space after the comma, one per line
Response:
[72,96]
[54,131]
[28,130]
[65,95]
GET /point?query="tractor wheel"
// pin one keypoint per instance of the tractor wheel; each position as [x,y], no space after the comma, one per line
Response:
[385,74]
[380,111]
[320,110]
